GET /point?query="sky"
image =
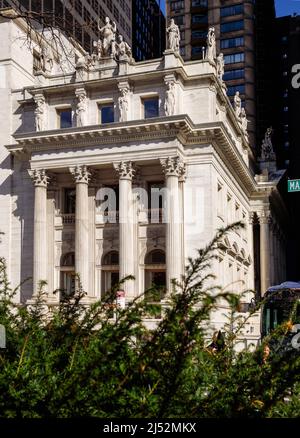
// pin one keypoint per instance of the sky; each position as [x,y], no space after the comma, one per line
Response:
[283,7]
[287,7]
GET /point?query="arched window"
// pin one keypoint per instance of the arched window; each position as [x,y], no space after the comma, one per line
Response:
[67,273]
[110,270]
[155,270]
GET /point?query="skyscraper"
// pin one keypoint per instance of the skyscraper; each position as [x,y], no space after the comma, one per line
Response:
[148,29]
[243,30]
[78,18]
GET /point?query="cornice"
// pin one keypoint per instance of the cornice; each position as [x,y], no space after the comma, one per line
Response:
[178,127]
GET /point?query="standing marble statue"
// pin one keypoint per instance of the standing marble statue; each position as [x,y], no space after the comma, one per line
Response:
[237,104]
[39,114]
[170,99]
[267,151]
[123,104]
[46,59]
[173,36]
[244,121]
[220,66]
[81,109]
[108,37]
[123,50]
[211,51]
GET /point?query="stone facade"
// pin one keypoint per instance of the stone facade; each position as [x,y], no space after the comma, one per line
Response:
[53,178]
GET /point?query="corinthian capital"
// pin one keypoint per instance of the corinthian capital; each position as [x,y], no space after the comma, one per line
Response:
[173,166]
[264,217]
[81,174]
[125,169]
[39,177]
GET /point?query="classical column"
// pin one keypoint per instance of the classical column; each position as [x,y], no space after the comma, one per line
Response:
[82,176]
[173,168]
[272,256]
[126,226]
[264,251]
[40,180]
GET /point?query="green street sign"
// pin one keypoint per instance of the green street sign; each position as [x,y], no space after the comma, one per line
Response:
[294,185]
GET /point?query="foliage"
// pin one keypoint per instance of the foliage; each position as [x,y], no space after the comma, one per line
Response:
[78,361]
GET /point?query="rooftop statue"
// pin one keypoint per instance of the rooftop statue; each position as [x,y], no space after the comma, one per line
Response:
[211,51]
[173,36]
[122,49]
[220,66]
[107,38]
[267,151]
[237,104]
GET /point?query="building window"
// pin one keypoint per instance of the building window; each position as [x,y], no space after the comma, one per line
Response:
[199,18]
[64,118]
[232,10]
[234,74]
[67,274]
[196,50]
[232,26]
[107,113]
[234,58]
[182,51]
[110,271]
[232,90]
[232,42]
[179,20]
[201,3]
[199,34]
[155,277]
[175,6]
[69,201]
[150,107]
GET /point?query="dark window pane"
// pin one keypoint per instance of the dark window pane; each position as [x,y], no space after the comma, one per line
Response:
[151,108]
[107,114]
[234,74]
[232,42]
[232,26]
[232,10]
[69,201]
[232,90]
[65,117]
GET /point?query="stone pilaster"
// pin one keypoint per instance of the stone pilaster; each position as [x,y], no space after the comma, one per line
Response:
[81,176]
[126,226]
[265,283]
[173,168]
[40,180]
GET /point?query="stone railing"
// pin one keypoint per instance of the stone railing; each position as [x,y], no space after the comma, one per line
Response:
[68,219]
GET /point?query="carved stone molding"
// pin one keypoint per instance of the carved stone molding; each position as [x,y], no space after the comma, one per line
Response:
[81,174]
[39,177]
[124,169]
[264,217]
[173,166]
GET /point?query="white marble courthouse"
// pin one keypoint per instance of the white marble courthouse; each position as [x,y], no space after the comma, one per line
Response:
[73,125]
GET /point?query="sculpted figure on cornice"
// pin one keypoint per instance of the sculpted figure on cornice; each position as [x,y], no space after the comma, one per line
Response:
[108,37]
[170,99]
[237,104]
[122,49]
[244,121]
[267,151]
[39,113]
[81,109]
[124,104]
[211,51]
[220,66]
[46,59]
[173,36]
